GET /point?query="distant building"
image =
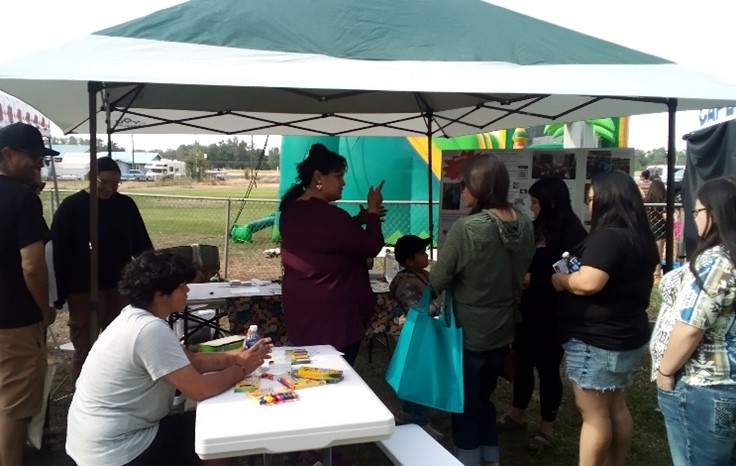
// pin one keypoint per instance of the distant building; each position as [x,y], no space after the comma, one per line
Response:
[75,165]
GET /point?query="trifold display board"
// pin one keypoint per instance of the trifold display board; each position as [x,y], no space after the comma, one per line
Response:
[575,166]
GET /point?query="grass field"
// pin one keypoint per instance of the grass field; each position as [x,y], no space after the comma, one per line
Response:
[183,221]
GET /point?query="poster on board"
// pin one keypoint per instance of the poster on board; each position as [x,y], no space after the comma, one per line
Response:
[575,166]
[452,206]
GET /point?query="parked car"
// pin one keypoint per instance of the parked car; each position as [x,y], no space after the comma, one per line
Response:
[134,175]
[679,174]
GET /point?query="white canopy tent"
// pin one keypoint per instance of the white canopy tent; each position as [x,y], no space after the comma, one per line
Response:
[432,67]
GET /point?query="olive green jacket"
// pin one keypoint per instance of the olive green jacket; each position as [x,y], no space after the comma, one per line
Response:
[483,262]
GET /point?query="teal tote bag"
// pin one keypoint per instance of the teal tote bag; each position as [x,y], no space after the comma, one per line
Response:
[427,364]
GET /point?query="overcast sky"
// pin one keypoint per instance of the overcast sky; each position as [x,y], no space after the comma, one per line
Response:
[694,34]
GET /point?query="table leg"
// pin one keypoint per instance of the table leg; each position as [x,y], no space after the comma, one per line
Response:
[327,457]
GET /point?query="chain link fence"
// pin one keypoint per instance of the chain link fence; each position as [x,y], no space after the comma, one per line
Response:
[657,222]
[174,220]
[182,220]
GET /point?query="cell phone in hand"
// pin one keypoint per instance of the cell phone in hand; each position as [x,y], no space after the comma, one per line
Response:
[561,266]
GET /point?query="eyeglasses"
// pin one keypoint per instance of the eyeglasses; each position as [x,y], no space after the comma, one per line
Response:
[588,199]
[107,184]
[695,212]
[34,157]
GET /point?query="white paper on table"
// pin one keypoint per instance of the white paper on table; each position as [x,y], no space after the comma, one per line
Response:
[258,282]
[245,290]
[380,287]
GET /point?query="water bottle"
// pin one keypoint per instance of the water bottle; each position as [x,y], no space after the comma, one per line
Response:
[251,336]
[573,263]
[390,266]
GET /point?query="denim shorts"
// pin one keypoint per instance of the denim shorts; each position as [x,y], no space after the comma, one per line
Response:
[594,368]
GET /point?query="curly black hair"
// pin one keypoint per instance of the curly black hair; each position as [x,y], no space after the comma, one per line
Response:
[153,272]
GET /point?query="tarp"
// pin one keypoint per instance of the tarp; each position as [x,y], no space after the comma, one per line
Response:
[711,152]
[348,67]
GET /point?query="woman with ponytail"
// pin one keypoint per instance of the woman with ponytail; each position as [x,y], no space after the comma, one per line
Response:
[326,290]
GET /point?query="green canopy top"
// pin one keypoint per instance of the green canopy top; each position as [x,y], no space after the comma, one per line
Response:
[415,30]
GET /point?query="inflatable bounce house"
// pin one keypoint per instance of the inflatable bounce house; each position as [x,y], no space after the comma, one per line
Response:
[403,163]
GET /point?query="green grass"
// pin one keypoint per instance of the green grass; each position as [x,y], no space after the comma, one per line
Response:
[205,190]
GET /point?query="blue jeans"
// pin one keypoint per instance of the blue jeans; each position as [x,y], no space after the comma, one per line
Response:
[701,424]
[475,428]
[419,414]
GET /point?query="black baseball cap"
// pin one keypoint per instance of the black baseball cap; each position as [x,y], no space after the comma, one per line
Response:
[26,138]
[408,245]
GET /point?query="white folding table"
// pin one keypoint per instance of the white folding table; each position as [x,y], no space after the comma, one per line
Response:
[232,424]
[216,294]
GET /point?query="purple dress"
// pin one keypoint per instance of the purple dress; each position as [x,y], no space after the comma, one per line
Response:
[326,292]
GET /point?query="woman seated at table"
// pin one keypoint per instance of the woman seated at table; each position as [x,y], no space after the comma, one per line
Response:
[119,413]
[326,292]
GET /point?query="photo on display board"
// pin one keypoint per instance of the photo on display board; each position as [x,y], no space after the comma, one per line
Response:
[622,164]
[597,162]
[554,165]
[451,195]
[445,225]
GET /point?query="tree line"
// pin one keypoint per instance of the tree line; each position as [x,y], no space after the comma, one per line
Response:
[644,159]
[237,153]
[232,153]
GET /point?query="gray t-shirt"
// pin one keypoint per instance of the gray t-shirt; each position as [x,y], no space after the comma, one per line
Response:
[121,394]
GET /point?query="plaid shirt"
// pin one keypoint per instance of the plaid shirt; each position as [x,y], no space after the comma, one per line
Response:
[709,307]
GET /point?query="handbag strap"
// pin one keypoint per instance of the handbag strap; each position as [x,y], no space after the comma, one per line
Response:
[447,310]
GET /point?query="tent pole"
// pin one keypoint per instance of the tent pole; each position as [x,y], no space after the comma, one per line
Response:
[106,101]
[430,216]
[671,159]
[94,297]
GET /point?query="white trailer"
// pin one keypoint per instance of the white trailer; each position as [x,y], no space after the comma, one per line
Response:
[164,169]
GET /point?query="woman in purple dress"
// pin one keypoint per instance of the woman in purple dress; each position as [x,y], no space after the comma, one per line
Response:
[327,296]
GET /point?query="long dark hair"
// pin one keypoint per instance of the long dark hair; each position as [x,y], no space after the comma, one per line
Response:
[718,197]
[555,209]
[657,192]
[617,202]
[320,158]
[487,179]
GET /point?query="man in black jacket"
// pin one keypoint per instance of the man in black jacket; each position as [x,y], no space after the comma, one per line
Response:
[122,236]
